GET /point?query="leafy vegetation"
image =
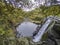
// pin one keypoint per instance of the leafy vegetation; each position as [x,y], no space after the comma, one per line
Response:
[10,17]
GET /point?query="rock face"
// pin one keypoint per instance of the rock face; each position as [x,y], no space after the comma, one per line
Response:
[54,35]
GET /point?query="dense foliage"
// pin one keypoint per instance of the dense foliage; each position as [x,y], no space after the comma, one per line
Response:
[10,17]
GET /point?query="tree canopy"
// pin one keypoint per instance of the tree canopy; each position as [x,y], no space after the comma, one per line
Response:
[10,17]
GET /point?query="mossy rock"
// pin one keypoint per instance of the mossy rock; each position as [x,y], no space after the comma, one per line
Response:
[23,41]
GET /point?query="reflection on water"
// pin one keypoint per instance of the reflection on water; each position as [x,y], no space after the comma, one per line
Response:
[26,29]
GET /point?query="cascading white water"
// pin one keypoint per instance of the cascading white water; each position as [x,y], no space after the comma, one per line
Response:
[38,37]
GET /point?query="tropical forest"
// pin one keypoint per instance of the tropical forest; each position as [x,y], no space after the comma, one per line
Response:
[29,22]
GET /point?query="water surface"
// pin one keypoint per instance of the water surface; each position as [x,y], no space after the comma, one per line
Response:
[26,29]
